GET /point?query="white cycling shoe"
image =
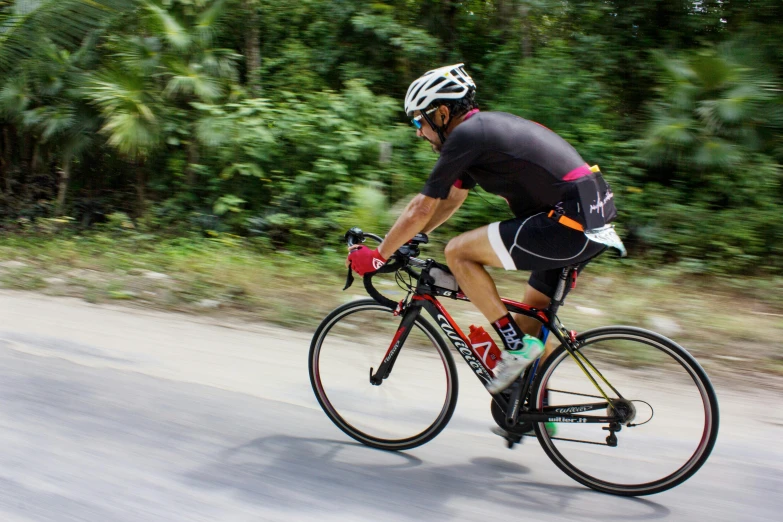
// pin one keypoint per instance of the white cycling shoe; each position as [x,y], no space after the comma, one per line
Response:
[512,364]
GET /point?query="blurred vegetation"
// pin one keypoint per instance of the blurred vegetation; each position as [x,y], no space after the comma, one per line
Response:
[249,278]
[282,121]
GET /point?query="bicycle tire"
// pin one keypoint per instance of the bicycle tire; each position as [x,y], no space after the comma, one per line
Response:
[705,389]
[432,430]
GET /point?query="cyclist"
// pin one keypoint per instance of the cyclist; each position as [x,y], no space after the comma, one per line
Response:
[553,194]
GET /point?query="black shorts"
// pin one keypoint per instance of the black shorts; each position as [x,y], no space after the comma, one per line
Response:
[543,245]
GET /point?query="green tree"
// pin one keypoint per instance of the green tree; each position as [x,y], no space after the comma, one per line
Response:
[29,26]
[715,107]
[145,91]
[710,145]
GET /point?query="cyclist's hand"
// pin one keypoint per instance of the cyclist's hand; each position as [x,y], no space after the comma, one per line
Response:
[363,260]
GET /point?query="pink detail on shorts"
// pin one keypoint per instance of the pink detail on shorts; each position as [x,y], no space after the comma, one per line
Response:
[470,113]
[458,183]
[577,173]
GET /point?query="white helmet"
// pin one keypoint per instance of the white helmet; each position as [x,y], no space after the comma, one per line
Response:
[445,83]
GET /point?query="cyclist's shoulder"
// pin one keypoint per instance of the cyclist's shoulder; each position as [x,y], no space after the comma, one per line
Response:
[500,117]
[483,123]
[491,129]
[497,124]
[494,118]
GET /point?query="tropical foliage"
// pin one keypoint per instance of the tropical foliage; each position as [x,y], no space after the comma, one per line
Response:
[282,119]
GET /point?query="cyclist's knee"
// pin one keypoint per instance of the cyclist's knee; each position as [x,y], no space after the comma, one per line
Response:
[452,251]
[536,298]
[471,247]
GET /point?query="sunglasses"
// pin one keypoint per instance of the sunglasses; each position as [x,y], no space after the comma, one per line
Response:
[417,120]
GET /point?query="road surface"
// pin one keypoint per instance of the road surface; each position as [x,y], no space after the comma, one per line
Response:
[122,414]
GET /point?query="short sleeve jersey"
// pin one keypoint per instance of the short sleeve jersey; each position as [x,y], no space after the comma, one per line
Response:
[506,155]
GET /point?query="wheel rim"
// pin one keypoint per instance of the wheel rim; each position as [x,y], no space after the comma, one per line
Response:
[650,457]
[409,406]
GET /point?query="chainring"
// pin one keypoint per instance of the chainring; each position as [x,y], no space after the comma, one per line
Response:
[500,418]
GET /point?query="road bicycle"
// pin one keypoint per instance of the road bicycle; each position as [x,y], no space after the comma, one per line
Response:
[633,412]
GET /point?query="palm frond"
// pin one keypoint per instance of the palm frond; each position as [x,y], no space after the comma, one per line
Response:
[716,153]
[51,120]
[207,22]
[15,96]
[171,28]
[130,134]
[64,22]
[128,110]
[137,53]
[191,79]
[673,131]
[713,72]
[220,63]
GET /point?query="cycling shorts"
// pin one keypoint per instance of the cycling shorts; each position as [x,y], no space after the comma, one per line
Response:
[542,245]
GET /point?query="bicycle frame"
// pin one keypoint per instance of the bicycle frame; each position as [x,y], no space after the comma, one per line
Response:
[520,390]
[425,296]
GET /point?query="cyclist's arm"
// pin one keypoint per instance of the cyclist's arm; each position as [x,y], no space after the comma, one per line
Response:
[446,208]
[413,219]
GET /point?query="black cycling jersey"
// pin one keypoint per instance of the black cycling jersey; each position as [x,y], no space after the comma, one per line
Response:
[530,166]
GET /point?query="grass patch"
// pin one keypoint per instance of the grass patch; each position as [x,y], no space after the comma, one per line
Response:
[23,279]
[181,273]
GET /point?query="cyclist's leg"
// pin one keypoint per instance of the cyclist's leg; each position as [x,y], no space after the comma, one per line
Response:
[536,299]
[543,284]
[543,246]
[466,256]
[536,243]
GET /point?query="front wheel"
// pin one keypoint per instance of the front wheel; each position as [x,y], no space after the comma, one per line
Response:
[410,406]
[664,395]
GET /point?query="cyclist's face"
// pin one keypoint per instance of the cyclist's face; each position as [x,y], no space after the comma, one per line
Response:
[426,132]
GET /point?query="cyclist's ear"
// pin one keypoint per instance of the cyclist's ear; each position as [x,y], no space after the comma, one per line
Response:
[443,110]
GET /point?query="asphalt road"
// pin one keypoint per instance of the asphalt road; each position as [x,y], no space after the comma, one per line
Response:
[119,414]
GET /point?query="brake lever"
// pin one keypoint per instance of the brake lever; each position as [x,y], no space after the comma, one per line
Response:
[348,279]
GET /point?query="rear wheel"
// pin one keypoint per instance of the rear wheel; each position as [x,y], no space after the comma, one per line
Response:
[411,406]
[659,382]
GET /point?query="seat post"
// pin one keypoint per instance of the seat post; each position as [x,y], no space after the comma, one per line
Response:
[567,274]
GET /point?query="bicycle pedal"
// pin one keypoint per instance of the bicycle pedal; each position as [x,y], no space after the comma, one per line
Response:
[511,438]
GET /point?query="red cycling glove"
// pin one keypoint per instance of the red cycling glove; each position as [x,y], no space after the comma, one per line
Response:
[364,260]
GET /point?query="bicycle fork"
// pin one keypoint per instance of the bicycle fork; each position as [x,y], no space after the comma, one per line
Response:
[384,369]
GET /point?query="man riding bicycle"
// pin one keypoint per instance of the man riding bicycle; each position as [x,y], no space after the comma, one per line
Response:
[554,195]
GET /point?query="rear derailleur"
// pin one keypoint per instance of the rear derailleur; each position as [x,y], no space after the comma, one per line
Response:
[611,439]
[625,412]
